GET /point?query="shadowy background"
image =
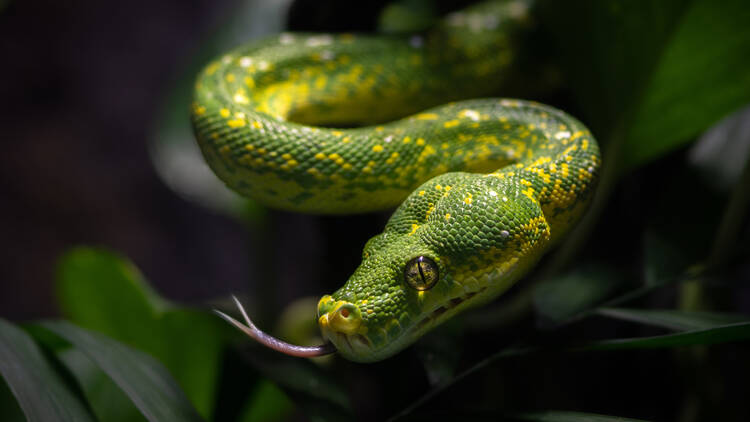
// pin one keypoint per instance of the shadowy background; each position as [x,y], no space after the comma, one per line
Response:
[84,83]
[87,86]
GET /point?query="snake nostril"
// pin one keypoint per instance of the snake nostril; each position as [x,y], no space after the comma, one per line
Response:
[345,319]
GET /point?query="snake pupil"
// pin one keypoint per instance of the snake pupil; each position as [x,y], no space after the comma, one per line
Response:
[421,273]
[419,265]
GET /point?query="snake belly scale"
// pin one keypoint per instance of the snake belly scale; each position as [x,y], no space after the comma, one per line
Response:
[483,187]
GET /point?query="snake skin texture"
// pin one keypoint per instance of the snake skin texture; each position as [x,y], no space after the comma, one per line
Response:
[315,123]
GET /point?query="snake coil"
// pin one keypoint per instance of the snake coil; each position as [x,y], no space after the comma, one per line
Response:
[485,186]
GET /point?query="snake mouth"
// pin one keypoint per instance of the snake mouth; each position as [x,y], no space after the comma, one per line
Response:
[341,323]
[350,344]
[434,317]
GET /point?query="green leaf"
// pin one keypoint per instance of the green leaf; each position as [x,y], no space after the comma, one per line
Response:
[39,390]
[191,348]
[101,291]
[148,384]
[562,416]
[673,319]
[609,50]
[701,77]
[9,409]
[108,402]
[717,335]
[660,72]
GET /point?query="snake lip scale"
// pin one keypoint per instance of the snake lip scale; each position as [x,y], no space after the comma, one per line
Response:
[450,304]
[345,123]
[358,341]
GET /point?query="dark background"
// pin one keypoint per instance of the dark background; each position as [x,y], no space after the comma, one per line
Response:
[84,85]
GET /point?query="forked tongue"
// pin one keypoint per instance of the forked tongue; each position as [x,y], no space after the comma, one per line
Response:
[272,342]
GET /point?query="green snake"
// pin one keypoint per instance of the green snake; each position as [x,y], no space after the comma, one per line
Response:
[314,123]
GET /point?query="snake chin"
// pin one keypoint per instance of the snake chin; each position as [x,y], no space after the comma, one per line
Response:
[359,346]
[353,344]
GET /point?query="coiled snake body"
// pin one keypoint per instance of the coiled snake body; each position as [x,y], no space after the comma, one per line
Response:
[485,186]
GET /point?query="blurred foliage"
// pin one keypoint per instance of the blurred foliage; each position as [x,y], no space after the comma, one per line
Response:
[40,390]
[644,272]
[176,156]
[129,311]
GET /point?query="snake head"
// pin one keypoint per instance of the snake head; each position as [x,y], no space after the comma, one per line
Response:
[402,289]
[436,257]
[376,313]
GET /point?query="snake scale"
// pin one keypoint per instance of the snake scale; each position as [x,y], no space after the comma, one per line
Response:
[315,123]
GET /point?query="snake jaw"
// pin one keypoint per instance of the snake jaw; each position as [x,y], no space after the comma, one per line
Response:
[341,323]
[449,307]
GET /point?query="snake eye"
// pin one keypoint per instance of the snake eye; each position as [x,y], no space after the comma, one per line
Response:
[421,273]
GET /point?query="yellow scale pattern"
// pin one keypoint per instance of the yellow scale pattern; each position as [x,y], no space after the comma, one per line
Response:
[484,186]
